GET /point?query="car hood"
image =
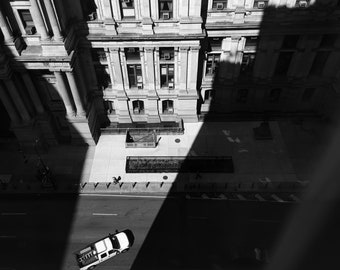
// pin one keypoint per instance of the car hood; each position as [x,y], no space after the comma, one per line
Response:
[123,240]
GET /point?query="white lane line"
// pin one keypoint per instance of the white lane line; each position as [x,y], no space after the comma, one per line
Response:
[266,220]
[104,214]
[127,196]
[13,214]
[8,236]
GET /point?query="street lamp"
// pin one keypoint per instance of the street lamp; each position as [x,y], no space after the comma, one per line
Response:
[44,172]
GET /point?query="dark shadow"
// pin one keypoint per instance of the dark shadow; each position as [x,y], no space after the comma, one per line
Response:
[191,232]
[46,153]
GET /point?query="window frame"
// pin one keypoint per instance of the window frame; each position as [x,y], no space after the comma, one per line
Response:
[138,78]
[122,8]
[214,66]
[162,12]
[138,104]
[169,105]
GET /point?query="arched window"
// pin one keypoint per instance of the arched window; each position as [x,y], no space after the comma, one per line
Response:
[138,107]
[168,107]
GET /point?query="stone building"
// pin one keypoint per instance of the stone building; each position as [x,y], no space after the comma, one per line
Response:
[69,68]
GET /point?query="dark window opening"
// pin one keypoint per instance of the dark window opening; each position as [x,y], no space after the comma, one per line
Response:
[251,43]
[274,95]
[260,4]
[127,8]
[208,96]
[242,95]
[290,42]
[247,64]
[27,21]
[165,9]
[302,3]
[132,54]
[167,75]
[213,61]
[220,4]
[167,54]
[283,63]
[138,107]
[319,63]
[135,76]
[215,43]
[168,107]
[328,41]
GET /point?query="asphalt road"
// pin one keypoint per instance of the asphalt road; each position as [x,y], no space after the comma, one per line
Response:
[174,233]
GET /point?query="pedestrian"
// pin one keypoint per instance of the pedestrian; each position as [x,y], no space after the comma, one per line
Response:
[116,180]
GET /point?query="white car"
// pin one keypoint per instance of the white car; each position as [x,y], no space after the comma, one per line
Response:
[103,249]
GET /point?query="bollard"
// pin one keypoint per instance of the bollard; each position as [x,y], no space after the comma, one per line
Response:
[83,185]
[95,185]
[134,184]
[147,184]
[162,183]
[108,185]
[121,184]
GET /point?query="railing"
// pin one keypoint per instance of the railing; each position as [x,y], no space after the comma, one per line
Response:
[156,164]
[161,128]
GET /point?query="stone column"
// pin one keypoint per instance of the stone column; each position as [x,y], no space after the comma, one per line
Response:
[6,100]
[13,92]
[32,92]
[62,90]
[184,8]
[183,68]
[193,67]
[75,93]
[80,75]
[6,31]
[116,69]
[52,16]
[150,69]
[38,20]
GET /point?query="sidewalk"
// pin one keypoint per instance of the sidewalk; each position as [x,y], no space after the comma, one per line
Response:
[256,162]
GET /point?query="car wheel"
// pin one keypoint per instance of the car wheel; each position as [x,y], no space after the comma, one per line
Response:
[125,250]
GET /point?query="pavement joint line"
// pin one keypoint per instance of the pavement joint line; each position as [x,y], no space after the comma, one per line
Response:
[104,214]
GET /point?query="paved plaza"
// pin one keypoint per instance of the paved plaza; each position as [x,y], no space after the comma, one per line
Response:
[263,160]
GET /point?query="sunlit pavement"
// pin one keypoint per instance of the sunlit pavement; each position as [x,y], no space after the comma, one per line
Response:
[253,159]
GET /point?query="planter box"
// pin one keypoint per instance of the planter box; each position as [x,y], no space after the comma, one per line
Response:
[140,139]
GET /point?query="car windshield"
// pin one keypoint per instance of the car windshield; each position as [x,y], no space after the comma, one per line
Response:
[115,243]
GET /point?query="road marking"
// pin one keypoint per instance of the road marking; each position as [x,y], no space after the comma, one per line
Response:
[266,220]
[13,214]
[104,214]
[127,196]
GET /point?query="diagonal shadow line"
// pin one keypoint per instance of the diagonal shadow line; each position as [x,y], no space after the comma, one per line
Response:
[198,234]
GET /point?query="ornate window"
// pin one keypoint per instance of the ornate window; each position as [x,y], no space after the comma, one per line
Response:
[138,107]
[165,9]
[135,76]
[127,8]
[213,61]
[168,107]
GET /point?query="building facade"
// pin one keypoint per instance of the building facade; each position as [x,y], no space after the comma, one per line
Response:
[69,68]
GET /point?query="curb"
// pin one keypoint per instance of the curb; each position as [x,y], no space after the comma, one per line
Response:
[153,187]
